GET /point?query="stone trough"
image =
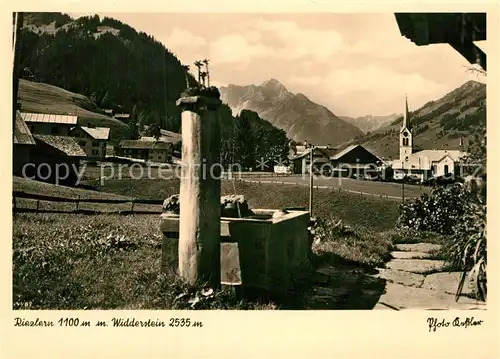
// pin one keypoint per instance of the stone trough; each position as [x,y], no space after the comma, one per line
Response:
[265,250]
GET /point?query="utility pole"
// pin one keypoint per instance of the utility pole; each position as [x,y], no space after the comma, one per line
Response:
[311,175]
[403,185]
[403,189]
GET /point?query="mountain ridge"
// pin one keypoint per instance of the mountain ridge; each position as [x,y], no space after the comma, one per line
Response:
[301,118]
[369,123]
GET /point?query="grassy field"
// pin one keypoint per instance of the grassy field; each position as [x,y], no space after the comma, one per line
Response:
[47,189]
[69,261]
[367,187]
[370,213]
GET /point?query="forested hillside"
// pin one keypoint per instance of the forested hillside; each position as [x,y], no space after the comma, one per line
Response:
[116,67]
[105,60]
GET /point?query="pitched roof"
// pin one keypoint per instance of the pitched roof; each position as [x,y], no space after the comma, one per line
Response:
[328,152]
[437,155]
[66,144]
[49,118]
[145,145]
[22,134]
[343,152]
[152,139]
[97,133]
[171,136]
[325,152]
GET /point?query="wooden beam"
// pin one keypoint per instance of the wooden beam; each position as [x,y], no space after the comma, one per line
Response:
[459,30]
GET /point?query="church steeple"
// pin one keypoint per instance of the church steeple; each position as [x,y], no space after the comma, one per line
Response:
[405,135]
[406,118]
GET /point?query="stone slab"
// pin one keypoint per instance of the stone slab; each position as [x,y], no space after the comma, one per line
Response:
[416,265]
[401,277]
[402,297]
[448,283]
[418,247]
[409,255]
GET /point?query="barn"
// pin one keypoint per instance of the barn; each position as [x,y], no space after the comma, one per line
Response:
[357,160]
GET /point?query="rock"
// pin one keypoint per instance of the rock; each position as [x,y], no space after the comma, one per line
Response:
[409,255]
[234,206]
[401,277]
[229,206]
[448,283]
[416,265]
[418,247]
[402,297]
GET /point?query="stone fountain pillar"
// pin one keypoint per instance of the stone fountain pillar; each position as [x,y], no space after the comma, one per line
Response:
[199,197]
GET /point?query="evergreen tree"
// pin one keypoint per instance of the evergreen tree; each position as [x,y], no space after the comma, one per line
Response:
[105,102]
[134,128]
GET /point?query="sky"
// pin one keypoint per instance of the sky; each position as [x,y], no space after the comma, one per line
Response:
[354,64]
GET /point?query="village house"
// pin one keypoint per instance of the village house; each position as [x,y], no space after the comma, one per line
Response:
[92,140]
[23,145]
[147,150]
[301,160]
[423,164]
[49,124]
[353,161]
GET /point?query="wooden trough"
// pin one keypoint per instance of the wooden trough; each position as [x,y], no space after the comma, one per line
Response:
[258,251]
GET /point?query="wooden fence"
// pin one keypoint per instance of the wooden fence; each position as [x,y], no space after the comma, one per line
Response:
[77,201]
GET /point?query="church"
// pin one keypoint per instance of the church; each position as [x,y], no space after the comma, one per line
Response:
[424,164]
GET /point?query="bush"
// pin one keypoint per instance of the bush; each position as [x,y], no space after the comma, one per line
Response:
[438,211]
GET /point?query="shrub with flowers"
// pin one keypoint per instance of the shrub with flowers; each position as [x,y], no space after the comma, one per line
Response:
[438,211]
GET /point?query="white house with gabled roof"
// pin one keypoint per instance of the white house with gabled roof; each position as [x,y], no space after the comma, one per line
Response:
[93,140]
